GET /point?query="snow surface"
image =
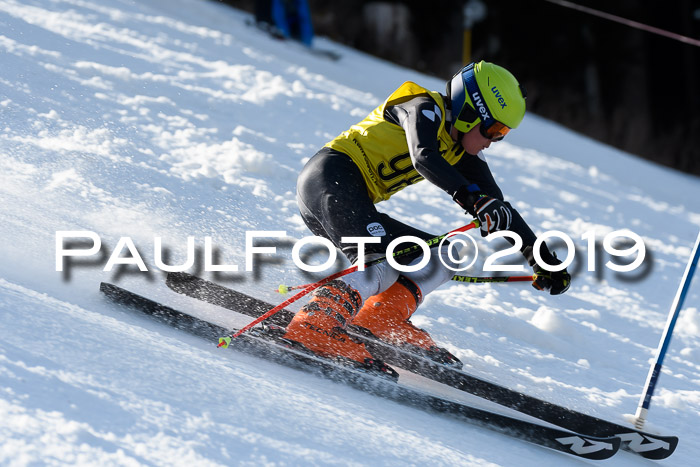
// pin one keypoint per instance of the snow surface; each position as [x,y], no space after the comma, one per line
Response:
[171,118]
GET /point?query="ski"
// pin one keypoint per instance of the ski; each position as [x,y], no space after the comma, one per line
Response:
[648,445]
[267,343]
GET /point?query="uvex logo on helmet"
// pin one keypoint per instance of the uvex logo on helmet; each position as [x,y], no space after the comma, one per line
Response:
[476,98]
[501,101]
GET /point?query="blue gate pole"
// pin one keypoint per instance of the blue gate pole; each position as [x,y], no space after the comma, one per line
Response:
[655,369]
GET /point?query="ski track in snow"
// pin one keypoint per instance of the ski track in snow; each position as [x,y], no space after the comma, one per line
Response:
[174,119]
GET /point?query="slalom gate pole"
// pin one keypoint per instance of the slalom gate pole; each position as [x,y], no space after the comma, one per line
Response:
[224,341]
[655,370]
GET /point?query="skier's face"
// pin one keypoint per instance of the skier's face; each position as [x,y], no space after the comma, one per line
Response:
[473,141]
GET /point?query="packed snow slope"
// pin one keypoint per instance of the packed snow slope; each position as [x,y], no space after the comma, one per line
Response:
[172,118]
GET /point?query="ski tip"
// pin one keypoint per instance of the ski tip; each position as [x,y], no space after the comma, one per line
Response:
[282,289]
[224,342]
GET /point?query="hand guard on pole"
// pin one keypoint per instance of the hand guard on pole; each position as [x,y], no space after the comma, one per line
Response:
[493,214]
[557,282]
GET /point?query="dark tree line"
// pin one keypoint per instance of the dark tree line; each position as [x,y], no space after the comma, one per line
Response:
[629,88]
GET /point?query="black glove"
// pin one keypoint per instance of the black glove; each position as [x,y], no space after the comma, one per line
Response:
[557,282]
[493,214]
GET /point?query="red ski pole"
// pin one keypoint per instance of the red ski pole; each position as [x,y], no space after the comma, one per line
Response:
[224,341]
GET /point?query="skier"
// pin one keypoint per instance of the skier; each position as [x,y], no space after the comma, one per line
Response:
[415,134]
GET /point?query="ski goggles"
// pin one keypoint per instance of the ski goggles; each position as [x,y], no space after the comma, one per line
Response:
[496,131]
[490,127]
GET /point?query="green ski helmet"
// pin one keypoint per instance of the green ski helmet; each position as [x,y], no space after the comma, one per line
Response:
[488,93]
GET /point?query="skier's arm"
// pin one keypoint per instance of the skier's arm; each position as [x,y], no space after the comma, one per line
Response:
[420,118]
[480,173]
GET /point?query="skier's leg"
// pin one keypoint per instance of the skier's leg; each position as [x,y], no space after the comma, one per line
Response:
[333,202]
[387,314]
